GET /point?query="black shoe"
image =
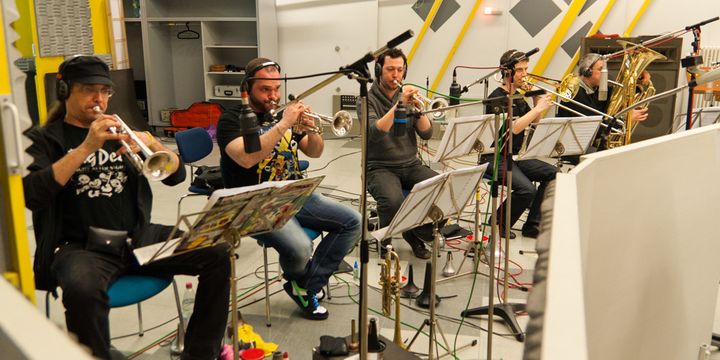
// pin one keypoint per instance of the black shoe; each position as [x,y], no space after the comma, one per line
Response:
[512,234]
[421,252]
[307,301]
[531,231]
[417,245]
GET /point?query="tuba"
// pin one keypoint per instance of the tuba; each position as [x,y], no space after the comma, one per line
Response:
[633,64]
[390,282]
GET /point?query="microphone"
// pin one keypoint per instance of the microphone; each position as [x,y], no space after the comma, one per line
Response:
[531,53]
[532,93]
[603,90]
[399,126]
[249,129]
[455,91]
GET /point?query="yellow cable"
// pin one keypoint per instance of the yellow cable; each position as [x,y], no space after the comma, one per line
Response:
[457,42]
[592,31]
[554,43]
[635,20]
[426,24]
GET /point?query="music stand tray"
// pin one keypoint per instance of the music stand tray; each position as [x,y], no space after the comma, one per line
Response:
[555,137]
[465,133]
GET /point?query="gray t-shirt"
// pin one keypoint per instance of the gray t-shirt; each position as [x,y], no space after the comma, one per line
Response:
[385,149]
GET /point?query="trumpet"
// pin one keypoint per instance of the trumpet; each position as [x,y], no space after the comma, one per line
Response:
[429,104]
[156,166]
[341,122]
[390,282]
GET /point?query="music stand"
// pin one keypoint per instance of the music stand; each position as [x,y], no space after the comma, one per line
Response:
[555,137]
[431,201]
[228,215]
[463,134]
[700,117]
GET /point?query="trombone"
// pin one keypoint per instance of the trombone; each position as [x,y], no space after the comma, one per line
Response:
[341,122]
[429,104]
[156,166]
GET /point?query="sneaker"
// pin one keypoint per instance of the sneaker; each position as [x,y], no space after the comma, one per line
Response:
[307,301]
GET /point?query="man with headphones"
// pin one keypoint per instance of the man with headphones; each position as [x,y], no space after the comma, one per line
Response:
[88,201]
[392,154]
[589,69]
[307,272]
[524,172]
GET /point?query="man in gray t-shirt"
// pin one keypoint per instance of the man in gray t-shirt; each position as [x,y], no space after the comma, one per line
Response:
[393,163]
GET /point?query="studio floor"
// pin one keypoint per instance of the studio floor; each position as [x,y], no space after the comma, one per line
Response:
[290,331]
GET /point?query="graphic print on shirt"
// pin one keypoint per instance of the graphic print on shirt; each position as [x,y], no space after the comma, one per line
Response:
[281,164]
[101,174]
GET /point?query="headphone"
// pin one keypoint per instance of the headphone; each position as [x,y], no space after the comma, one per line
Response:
[586,71]
[62,88]
[250,73]
[381,61]
[513,55]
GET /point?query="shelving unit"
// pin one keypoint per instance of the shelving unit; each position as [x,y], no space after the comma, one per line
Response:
[177,71]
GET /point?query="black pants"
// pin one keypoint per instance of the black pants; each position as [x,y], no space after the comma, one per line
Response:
[385,184]
[524,195]
[85,277]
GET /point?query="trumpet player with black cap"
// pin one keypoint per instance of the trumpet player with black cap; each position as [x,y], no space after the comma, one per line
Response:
[392,156]
[277,159]
[87,200]
[524,195]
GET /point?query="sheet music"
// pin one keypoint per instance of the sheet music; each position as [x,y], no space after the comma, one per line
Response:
[700,117]
[574,134]
[449,191]
[460,136]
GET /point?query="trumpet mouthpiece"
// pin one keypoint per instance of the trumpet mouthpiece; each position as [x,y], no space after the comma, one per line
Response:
[96,109]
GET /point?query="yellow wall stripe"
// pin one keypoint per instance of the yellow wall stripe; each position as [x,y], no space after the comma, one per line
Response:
[635,20]
[426,24]
[592,31]
[549,51]
[455,45]
[13,206]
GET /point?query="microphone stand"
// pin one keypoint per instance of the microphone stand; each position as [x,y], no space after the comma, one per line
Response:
[359,68]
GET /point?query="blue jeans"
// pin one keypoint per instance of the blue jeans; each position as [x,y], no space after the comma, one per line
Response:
[312,271]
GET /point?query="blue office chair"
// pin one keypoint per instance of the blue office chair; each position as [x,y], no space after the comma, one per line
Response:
[193,145]
[134,289]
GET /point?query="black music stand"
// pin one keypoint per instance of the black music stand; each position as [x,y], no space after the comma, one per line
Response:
[228,215]
[433,200]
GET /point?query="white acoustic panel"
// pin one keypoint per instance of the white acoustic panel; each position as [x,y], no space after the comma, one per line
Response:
[64,27]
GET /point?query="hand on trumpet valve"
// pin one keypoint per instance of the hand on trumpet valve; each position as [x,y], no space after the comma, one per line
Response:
[410,95]
[100,132]
[291,115]
[306,123]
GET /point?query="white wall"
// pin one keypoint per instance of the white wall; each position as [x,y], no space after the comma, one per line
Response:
[309,30]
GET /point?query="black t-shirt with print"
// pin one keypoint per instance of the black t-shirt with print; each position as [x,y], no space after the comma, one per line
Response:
[101,191]
[520,108]
[281,164]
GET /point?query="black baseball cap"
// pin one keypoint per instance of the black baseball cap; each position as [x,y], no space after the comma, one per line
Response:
[85,70]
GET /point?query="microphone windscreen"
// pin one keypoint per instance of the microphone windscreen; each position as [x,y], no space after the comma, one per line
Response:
[531,52]
[603,89]
[399,126]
